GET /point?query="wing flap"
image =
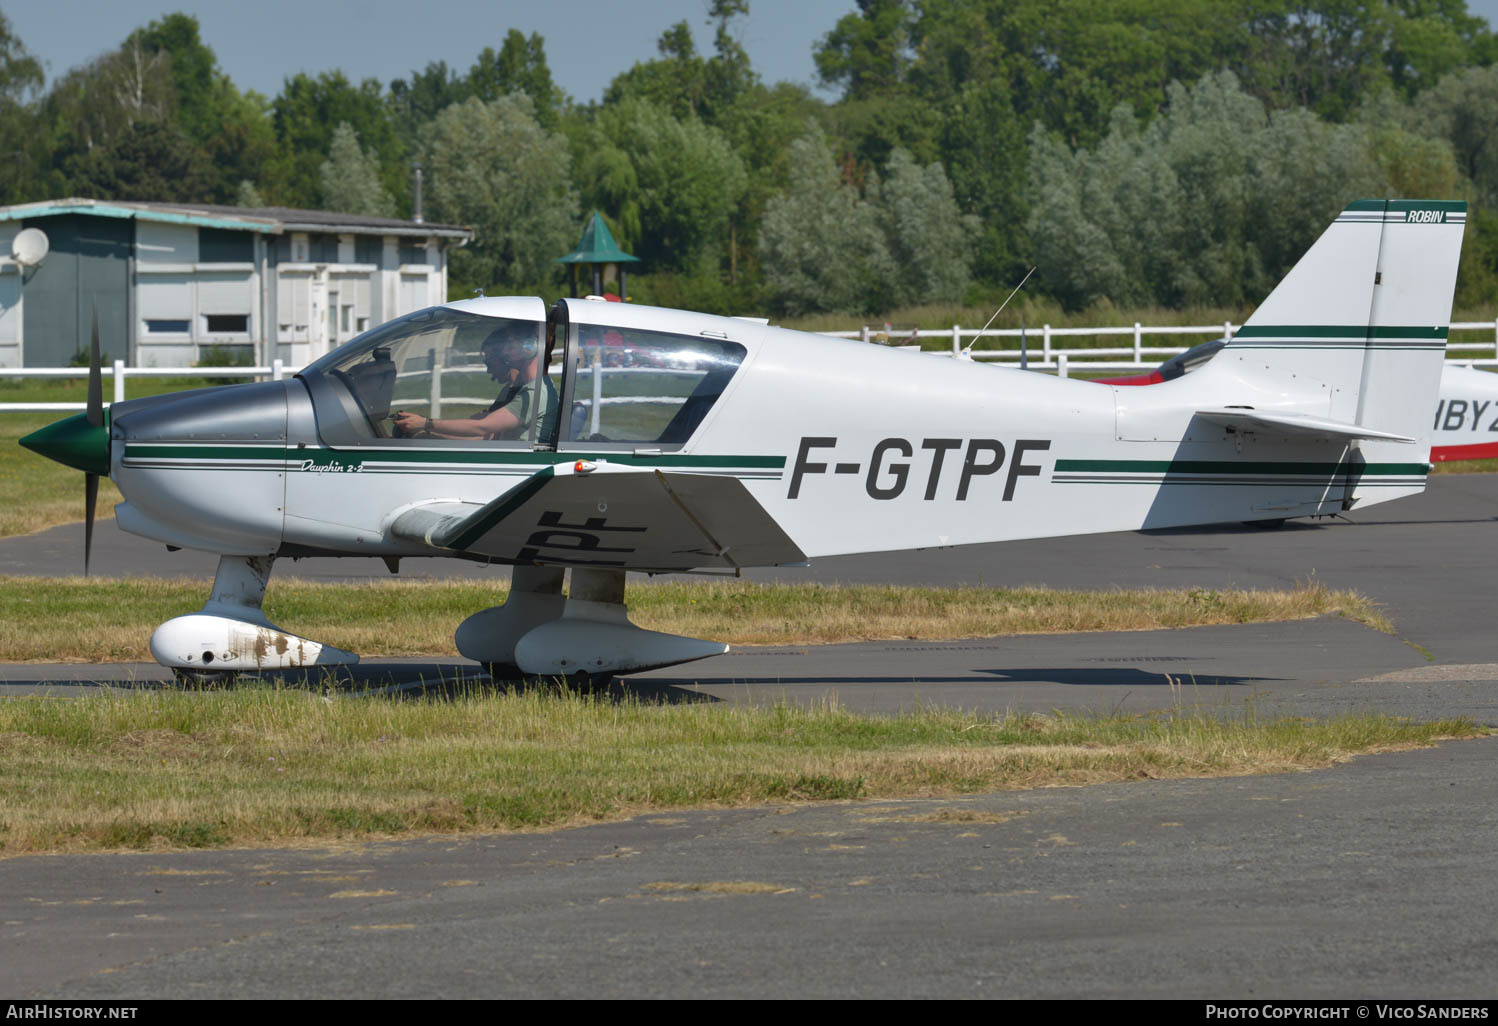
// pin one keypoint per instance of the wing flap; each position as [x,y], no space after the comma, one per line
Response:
[632,518]
[1244,418]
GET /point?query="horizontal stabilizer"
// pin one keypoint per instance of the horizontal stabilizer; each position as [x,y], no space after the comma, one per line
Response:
[610,516]
[1243,418]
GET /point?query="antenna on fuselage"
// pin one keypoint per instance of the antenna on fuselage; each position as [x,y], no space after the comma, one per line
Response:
[968,350]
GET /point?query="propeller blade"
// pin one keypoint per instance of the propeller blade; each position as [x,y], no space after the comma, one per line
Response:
[90,500]
[95,378]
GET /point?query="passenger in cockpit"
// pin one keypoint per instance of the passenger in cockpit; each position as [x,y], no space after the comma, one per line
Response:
[512,357]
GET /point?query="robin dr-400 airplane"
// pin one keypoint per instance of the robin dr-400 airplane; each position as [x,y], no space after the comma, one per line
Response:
[633,438]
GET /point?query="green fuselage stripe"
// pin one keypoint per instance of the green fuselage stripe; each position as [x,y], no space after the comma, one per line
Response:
[324,456]
[1239,469]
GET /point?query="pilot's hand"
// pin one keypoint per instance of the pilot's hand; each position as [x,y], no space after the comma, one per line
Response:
[409,425]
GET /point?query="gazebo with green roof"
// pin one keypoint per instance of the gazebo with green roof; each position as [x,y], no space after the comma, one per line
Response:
[599,250]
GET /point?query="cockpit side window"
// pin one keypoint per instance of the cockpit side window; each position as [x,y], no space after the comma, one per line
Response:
[440,376]
[644,387]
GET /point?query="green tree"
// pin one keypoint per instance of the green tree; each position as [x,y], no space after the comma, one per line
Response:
[233,130]
[930,241]
[761,127]
[93,105]
[685,83]
[1209,203]
[495,168]
[1462,109]
[821,245]
[20,83]
[519,67]
[351,178]
[415,101]
[305,115]
[868,54]
[983,141]
[150,160]
[246,195]
[672,185]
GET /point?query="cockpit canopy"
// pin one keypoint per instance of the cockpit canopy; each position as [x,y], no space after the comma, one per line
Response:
[596,385]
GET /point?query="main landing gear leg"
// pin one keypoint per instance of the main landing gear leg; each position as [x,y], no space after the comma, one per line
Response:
[231,633]
[586,634]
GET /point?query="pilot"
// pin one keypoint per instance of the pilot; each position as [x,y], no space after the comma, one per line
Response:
[512,357]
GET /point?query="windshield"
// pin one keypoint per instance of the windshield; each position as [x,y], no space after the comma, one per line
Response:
[438,375]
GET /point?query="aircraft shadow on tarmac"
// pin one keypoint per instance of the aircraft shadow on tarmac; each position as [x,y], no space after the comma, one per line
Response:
[449,681]
[395,681]
[1297,526]
[1093,676]
[1079,676]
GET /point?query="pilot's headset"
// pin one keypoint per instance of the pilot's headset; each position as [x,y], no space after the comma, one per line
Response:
[515,344]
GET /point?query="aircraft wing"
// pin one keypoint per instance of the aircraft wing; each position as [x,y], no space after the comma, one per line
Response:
[1244,418]
[610,516]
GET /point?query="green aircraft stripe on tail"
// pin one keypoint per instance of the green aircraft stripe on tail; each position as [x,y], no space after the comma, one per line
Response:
[1403,206]
[1352,331]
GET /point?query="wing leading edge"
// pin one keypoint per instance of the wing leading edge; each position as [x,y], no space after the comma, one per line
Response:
[611,517]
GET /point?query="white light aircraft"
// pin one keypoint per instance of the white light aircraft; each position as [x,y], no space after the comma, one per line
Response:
[664,441]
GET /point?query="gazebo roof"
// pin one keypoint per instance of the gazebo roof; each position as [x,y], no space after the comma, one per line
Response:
[597,246]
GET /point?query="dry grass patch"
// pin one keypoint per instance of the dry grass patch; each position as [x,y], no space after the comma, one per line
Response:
[270,766]
[720,887]
[1464,467]
[103,620]
[959,817]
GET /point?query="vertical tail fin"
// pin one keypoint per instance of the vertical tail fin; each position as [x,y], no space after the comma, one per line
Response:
[1359,325]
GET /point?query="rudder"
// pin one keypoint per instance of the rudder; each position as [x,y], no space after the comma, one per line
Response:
[1356,332]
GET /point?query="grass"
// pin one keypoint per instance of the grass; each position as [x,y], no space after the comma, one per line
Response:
[106,620]
[154,770]
[39,493]
[1465,467]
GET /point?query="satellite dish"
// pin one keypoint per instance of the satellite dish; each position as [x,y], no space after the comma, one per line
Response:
[30,247]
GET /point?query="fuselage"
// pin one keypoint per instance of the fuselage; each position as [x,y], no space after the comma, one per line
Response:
[849,447]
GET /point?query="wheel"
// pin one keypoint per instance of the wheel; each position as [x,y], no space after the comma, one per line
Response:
[1268,525]
[583,681]
[503,673]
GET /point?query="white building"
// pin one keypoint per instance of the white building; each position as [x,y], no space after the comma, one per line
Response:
[177,284]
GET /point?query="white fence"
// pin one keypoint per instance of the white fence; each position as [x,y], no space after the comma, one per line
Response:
[1140,355]
[1040,354]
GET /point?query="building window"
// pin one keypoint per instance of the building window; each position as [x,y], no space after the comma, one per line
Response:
[225,324]
[225,246]
[167,327]
[324,248]
[368,249]
[414,255]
